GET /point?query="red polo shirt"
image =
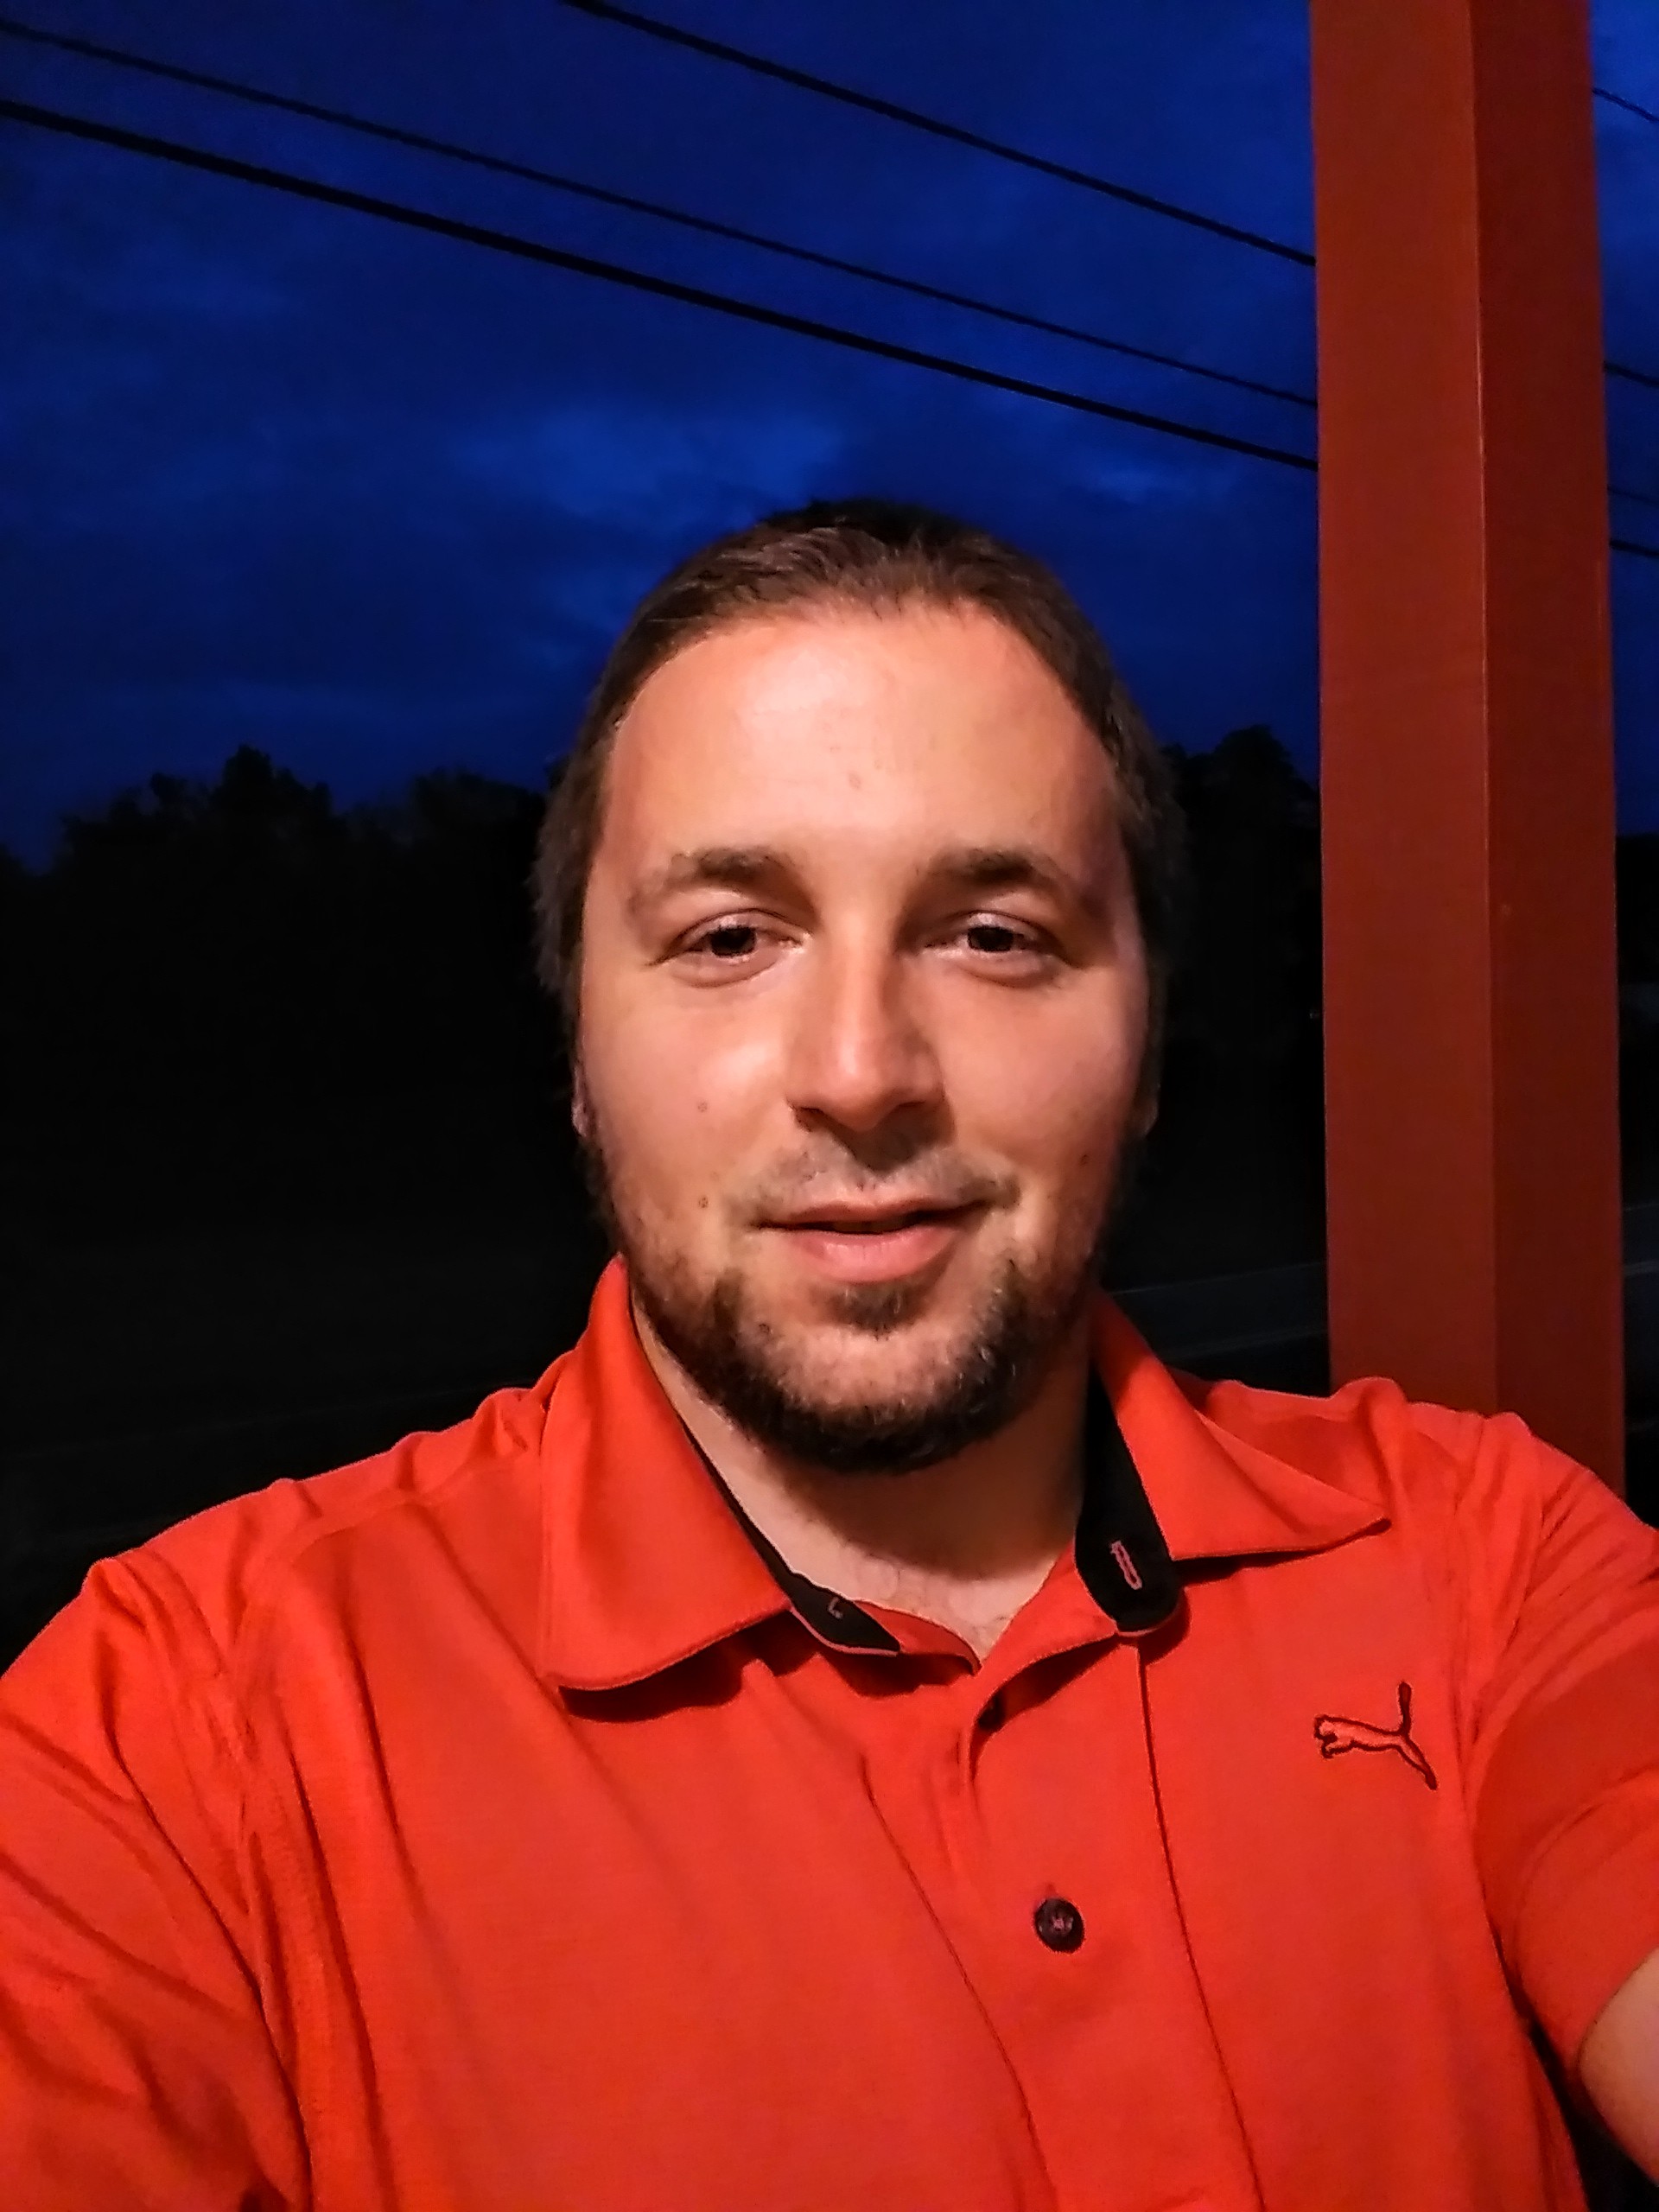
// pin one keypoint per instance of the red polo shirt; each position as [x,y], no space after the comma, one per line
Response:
[493,1825]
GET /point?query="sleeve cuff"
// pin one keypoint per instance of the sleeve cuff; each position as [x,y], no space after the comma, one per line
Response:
[1591,1914]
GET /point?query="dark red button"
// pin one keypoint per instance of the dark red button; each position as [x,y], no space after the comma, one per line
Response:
[1058,1924]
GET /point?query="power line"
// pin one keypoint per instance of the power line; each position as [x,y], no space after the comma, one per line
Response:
[671,33]
[1621,368]
[397,135]
[1618,100]
[759,66]
[421,218]
[394,134]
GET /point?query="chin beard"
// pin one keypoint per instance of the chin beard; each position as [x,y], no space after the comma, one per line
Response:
[725,1355]
[990,1385]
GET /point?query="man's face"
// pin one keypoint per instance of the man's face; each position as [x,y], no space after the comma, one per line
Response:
[855,1021]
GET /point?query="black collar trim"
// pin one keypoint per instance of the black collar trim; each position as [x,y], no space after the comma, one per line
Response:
[1121,1556]
[833,1620]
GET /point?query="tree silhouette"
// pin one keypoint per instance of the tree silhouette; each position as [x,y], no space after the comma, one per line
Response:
[235,997]
[249,1031]
[233,1000]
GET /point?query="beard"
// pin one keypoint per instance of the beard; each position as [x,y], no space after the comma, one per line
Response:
[733,1355]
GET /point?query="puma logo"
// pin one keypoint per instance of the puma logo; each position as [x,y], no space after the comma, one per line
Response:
[1337,1735]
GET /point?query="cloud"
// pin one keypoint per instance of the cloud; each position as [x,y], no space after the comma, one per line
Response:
[282,473]
[641,465]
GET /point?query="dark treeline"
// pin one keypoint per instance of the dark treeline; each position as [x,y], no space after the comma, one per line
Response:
[288,1167]
[239,1000]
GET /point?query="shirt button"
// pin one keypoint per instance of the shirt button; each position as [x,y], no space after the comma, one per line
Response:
[1058,1924]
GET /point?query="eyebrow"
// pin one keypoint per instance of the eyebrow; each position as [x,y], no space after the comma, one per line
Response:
[762,867]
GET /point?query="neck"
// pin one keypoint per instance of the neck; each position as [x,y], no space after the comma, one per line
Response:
[964,1544]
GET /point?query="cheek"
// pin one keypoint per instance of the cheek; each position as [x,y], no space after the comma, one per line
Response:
[1071,1155]
[1065,1102]
[682,1142]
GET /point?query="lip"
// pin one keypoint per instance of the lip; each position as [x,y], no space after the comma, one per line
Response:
[878,1255]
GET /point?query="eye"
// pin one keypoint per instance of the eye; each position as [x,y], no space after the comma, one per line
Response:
[1022,940]
[716,940]
[704,941]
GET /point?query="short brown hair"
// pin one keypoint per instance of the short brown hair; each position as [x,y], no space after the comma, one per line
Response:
[879,555]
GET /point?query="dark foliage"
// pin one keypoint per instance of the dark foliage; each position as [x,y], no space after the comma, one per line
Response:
[1234,1176]
[288,1167]
[235,1001]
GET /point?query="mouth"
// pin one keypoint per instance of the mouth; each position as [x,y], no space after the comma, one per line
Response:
[877,1248]
[877,1224]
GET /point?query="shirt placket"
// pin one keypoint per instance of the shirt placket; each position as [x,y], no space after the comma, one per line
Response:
[1058,1900]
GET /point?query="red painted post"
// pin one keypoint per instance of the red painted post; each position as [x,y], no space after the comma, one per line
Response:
[1466,780]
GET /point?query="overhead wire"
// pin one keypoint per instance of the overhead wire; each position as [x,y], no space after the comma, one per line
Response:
[1618,100]
[148,144]
[848,96]
[396,134]
[421,218]
[1621,368]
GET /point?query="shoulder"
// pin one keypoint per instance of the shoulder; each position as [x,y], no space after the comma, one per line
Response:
[1523,1545]
[208,1589]
[1417,1459]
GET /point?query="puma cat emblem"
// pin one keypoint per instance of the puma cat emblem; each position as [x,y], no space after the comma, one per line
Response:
[1337,1735]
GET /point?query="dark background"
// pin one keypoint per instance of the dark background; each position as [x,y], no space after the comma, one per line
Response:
[316,528]
[290,1168]
[313,528]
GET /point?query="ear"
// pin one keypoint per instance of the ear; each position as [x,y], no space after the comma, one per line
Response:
[580,1112]
[1146,1115]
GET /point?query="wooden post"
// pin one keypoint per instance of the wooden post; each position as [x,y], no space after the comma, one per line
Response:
[1466,779]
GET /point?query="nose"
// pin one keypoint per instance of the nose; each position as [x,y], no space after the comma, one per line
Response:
[858,1051]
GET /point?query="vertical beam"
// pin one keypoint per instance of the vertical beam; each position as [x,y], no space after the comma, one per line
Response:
[1470,995]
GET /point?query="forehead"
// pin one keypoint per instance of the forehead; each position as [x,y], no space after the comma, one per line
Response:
[921,724]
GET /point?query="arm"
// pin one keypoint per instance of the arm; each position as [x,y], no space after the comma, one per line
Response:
[1561,1639]
[137,2068]
[1620,2065]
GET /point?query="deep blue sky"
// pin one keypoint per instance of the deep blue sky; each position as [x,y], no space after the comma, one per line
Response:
[279,474]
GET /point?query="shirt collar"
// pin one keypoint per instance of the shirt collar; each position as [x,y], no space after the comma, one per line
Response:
[647,1558]
[1218,1495]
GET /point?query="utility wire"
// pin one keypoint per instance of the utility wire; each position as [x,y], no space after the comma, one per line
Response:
[848,96]
[759,66]
[421,218]
[394,134]
[196,157]
[1618,100]
[1618,368]
[10,27]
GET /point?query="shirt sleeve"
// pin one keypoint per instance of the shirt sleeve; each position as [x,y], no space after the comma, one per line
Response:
[1562,1660]
[137,2065]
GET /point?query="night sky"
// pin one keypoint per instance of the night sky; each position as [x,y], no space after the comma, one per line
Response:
[280,474]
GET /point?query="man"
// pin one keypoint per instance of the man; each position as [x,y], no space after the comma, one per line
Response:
[860,1730]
